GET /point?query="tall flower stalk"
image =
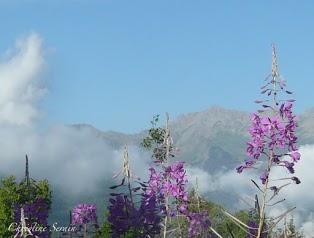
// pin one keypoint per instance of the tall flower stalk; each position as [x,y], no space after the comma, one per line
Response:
[273,139]
[168,146]
[167,180]
[127,215]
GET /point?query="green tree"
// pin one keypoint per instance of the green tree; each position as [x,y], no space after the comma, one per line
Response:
[11,194]
[105,229]
[8,197]
[156,140]
[27,194]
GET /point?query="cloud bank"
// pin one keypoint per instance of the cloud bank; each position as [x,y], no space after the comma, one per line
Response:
[240,185]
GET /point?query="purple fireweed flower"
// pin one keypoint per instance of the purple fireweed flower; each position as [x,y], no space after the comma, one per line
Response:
[273,134]
[276,159]
[183,208]
[271,124]
[199,224]
[264,177]
[84,213]
[170,182]
[285,110]
[272,138]
[256,155]
[240,169]
[255,118]
[289,166]
[295,156]
[172,213]
[249,163]
[250,148]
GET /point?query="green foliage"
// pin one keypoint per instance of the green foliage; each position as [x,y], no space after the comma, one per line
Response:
[11,193]
[105,229]
[227,227]
[156,134]
[8,197]
[156,139]
[27,194]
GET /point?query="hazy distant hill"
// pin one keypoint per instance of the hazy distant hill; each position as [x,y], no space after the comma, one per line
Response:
[213,139]
[305,131]
[210,139]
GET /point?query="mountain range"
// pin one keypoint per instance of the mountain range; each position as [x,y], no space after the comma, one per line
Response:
[214,139]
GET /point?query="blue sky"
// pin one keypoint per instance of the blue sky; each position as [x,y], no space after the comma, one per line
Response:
[114,64]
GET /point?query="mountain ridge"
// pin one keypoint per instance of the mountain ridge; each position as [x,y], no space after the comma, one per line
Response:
[212,139]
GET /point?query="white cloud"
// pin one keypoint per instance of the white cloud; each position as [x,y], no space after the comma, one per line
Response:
[308,227]
[74,160]
[205,181]
[21,81]
[240,185]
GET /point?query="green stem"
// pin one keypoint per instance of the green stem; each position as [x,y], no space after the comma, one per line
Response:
[168,142]
[128,175]
[275,74]
[85,230]
[262,209]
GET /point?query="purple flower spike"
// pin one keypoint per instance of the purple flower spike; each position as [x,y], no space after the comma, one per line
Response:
[272,134]
[273,138]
